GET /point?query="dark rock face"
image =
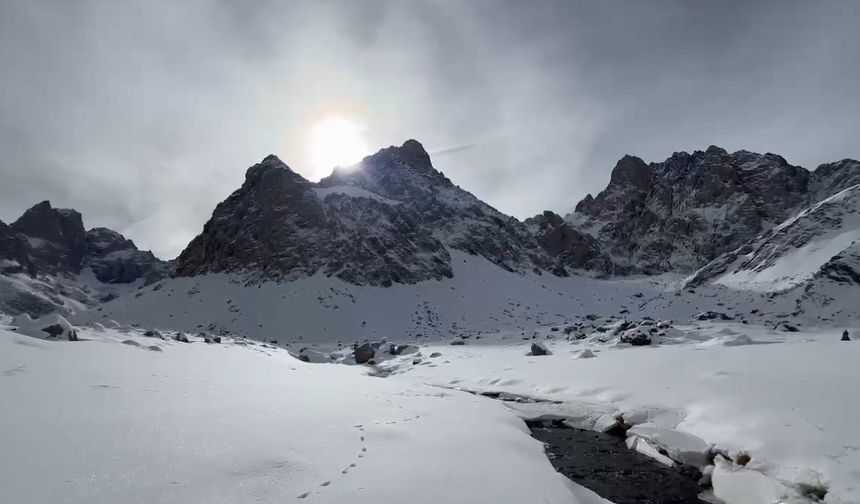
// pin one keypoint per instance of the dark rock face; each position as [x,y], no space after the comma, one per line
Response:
[390,219]
[47,240]
[827,218]
[567,246]
[539,349]
[115,259]
[364,353]
[50,245]
[56,239]
[682,213]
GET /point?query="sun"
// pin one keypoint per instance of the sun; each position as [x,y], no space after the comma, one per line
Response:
[336,141]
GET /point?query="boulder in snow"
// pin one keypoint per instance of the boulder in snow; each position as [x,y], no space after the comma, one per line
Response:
[50,326]
[636,337]
[713,315]
[845,336]
[364,353]
[539,349]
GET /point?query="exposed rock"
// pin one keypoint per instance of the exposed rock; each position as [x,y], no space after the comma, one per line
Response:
[390,219]
[680,214]
[567,246]
[636,337]
[115,259]
[845,336]
[435,354]
[364,353]
[539,349]
[712,315]
[50,246]
[52,326]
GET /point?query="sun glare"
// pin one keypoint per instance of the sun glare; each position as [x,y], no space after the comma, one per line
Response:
[336,141]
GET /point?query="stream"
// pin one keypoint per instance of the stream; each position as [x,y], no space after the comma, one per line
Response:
[602,463]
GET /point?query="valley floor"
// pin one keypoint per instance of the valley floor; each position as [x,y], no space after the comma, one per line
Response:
[119,417]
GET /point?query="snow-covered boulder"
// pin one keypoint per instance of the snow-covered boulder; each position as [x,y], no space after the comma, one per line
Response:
[395,349]
[638,336]
[313,356]
[51,326]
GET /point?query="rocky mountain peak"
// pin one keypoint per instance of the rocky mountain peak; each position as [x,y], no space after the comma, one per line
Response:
[631,171]
[679,214]
[56,236]
[48,240]
[391,218]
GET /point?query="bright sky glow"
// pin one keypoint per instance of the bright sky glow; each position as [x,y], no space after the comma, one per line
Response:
[336,141]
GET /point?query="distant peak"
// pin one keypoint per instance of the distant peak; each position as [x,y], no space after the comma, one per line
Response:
[631,170]
[413,145]
[41,206]
[713,149]
[412,153]
[272,159]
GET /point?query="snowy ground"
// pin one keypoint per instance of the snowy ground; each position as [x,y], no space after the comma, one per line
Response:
[787,400]
[481,298]
[109,420]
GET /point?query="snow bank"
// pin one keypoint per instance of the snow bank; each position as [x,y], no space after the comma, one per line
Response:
[783,403]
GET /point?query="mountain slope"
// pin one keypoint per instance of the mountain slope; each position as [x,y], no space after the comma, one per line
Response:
[392,218]
[680,214]
[48,261]
[817,242]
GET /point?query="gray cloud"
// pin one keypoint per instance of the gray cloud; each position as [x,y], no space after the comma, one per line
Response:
[143,115]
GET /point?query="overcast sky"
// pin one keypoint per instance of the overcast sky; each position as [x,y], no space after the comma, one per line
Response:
[143,115]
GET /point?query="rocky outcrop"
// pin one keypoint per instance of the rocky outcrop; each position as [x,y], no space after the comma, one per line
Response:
[680,214]
[820,242]
[567,246]
[454,216]
[392,218]
[51,241]
[55,237]
[43,253]
[115,259]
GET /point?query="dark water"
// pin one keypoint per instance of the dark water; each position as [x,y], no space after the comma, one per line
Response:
[604,464]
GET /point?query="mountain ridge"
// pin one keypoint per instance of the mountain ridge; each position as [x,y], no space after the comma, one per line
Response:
[394,218]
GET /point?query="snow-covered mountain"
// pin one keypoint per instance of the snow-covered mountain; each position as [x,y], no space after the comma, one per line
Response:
[392,218]
[680,214]
[48,262]
[805,246]
[707,373]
